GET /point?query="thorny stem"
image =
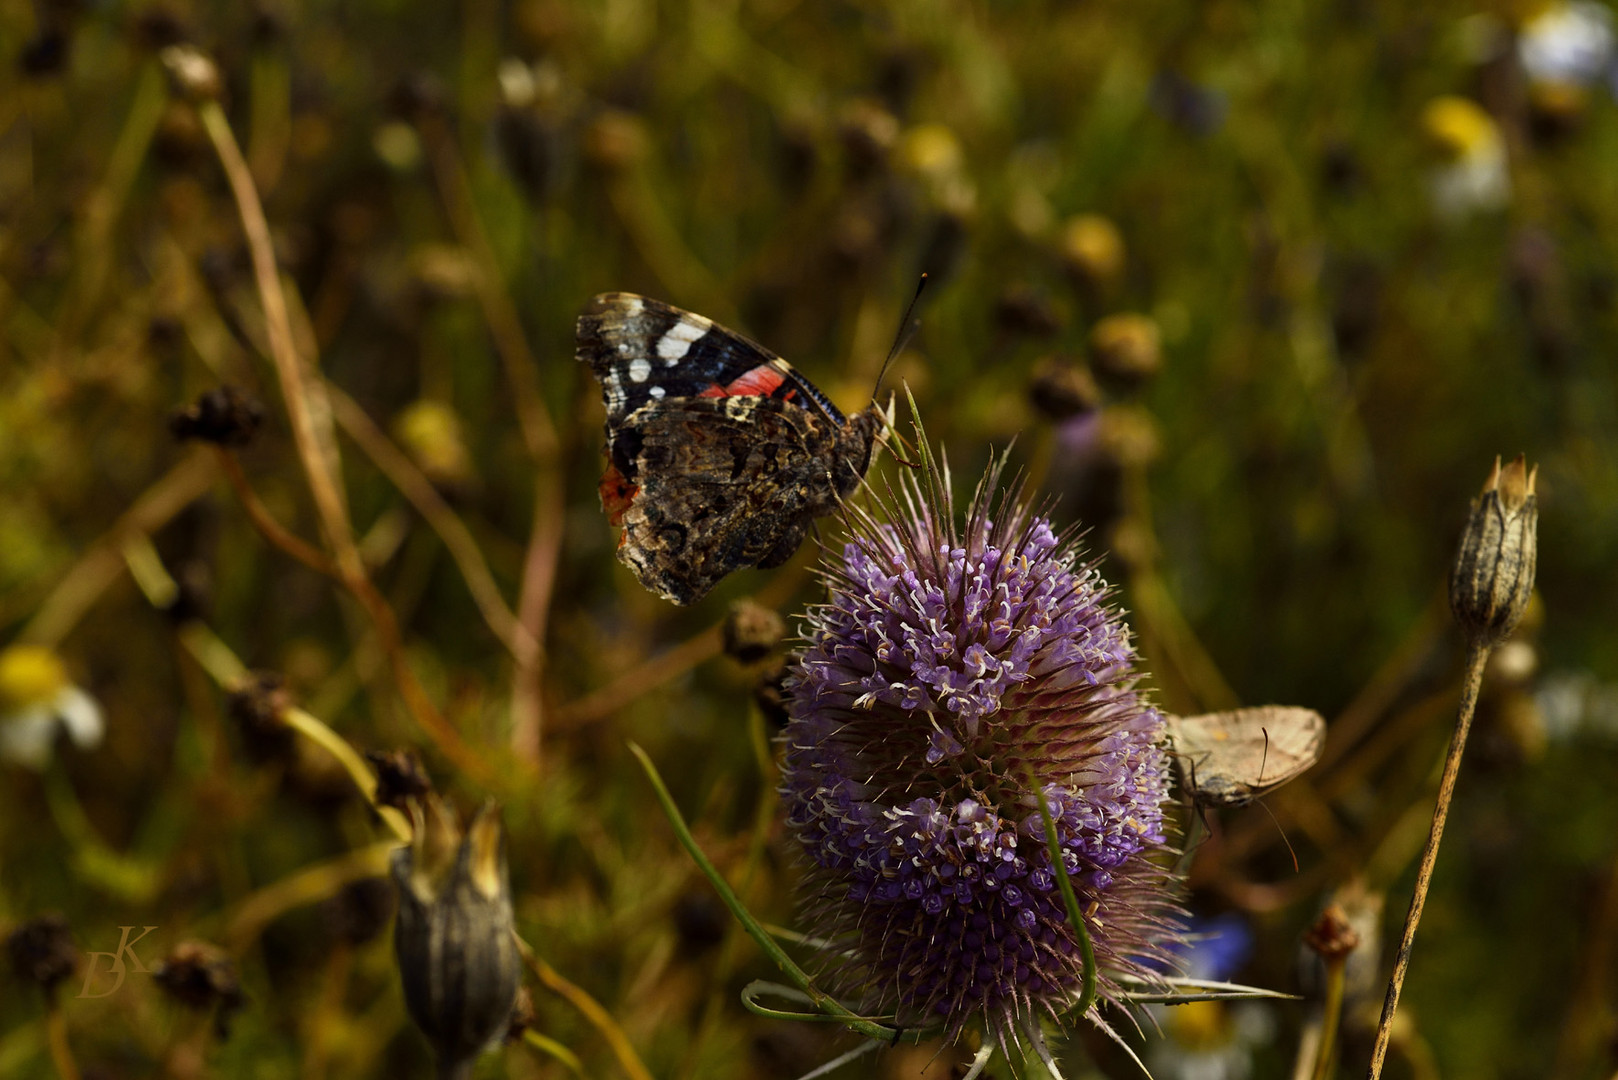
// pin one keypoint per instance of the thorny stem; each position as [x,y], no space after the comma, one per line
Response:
[1476,657]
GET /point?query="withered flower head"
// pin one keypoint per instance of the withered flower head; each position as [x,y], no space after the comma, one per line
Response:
[224,415]
[399,777]
[1493,574]
[199,976]
[453,939]
[42,950]
[954,673]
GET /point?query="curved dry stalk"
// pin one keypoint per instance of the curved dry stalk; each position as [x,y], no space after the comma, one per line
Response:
[277,535]
[670,664]
[102,564]
[440,517]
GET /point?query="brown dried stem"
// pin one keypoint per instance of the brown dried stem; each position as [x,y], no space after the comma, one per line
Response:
[443,520]
[316,448]
[538,429]
[101,565]
[272,531]
[642,680]
[1477,656]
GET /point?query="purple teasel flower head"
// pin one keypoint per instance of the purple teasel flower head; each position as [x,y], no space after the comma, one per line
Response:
[953,669]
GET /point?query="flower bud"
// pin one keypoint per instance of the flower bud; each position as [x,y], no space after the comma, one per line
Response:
[453,939]
[1493,575]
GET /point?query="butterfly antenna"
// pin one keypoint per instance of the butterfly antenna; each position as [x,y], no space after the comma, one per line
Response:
[1283,833]
[907,329]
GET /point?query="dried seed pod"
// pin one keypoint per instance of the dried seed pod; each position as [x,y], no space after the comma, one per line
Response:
[453,939]
[1493,575]
[1332,937]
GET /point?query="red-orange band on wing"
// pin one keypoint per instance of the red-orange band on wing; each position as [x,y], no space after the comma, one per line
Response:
[617,495]
[760,382]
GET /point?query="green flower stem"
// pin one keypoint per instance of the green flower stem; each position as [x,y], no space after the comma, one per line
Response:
[1325,1056]
[822,1002]
[549,1046]
[1075,917]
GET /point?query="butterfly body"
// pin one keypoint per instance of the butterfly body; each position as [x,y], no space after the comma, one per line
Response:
[719,453]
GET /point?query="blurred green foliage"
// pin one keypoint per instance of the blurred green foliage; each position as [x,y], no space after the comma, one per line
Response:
[1340,360]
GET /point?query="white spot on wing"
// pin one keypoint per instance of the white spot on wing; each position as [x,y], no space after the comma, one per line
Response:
[673,346]
[639,369]
[657,393]
[633,306]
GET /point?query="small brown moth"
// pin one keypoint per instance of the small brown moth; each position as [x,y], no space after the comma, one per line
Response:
[1231,758]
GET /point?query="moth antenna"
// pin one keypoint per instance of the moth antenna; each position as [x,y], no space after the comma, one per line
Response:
[1264,760]
[907,329]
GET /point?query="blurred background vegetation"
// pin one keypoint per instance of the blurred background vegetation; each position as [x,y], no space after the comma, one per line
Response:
[1259,291]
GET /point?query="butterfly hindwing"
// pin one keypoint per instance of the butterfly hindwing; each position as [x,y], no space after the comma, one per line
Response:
[719,484]
[720,455]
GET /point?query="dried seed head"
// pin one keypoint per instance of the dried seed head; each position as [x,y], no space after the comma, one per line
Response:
[1333,937]
[399,777]
[199,976]
[453,939]
[751,631]
[257,707]
[224,415]
[42,950]
[1062,389]
[1493,575]
[191,74]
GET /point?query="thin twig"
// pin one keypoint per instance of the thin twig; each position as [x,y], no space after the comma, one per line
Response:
[538,430]
[102,564]
[592,1011]
[272,531]
[642,680]
[443,520]
[1477,656]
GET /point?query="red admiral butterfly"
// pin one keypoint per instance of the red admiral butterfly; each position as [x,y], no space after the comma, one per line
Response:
[719,454]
